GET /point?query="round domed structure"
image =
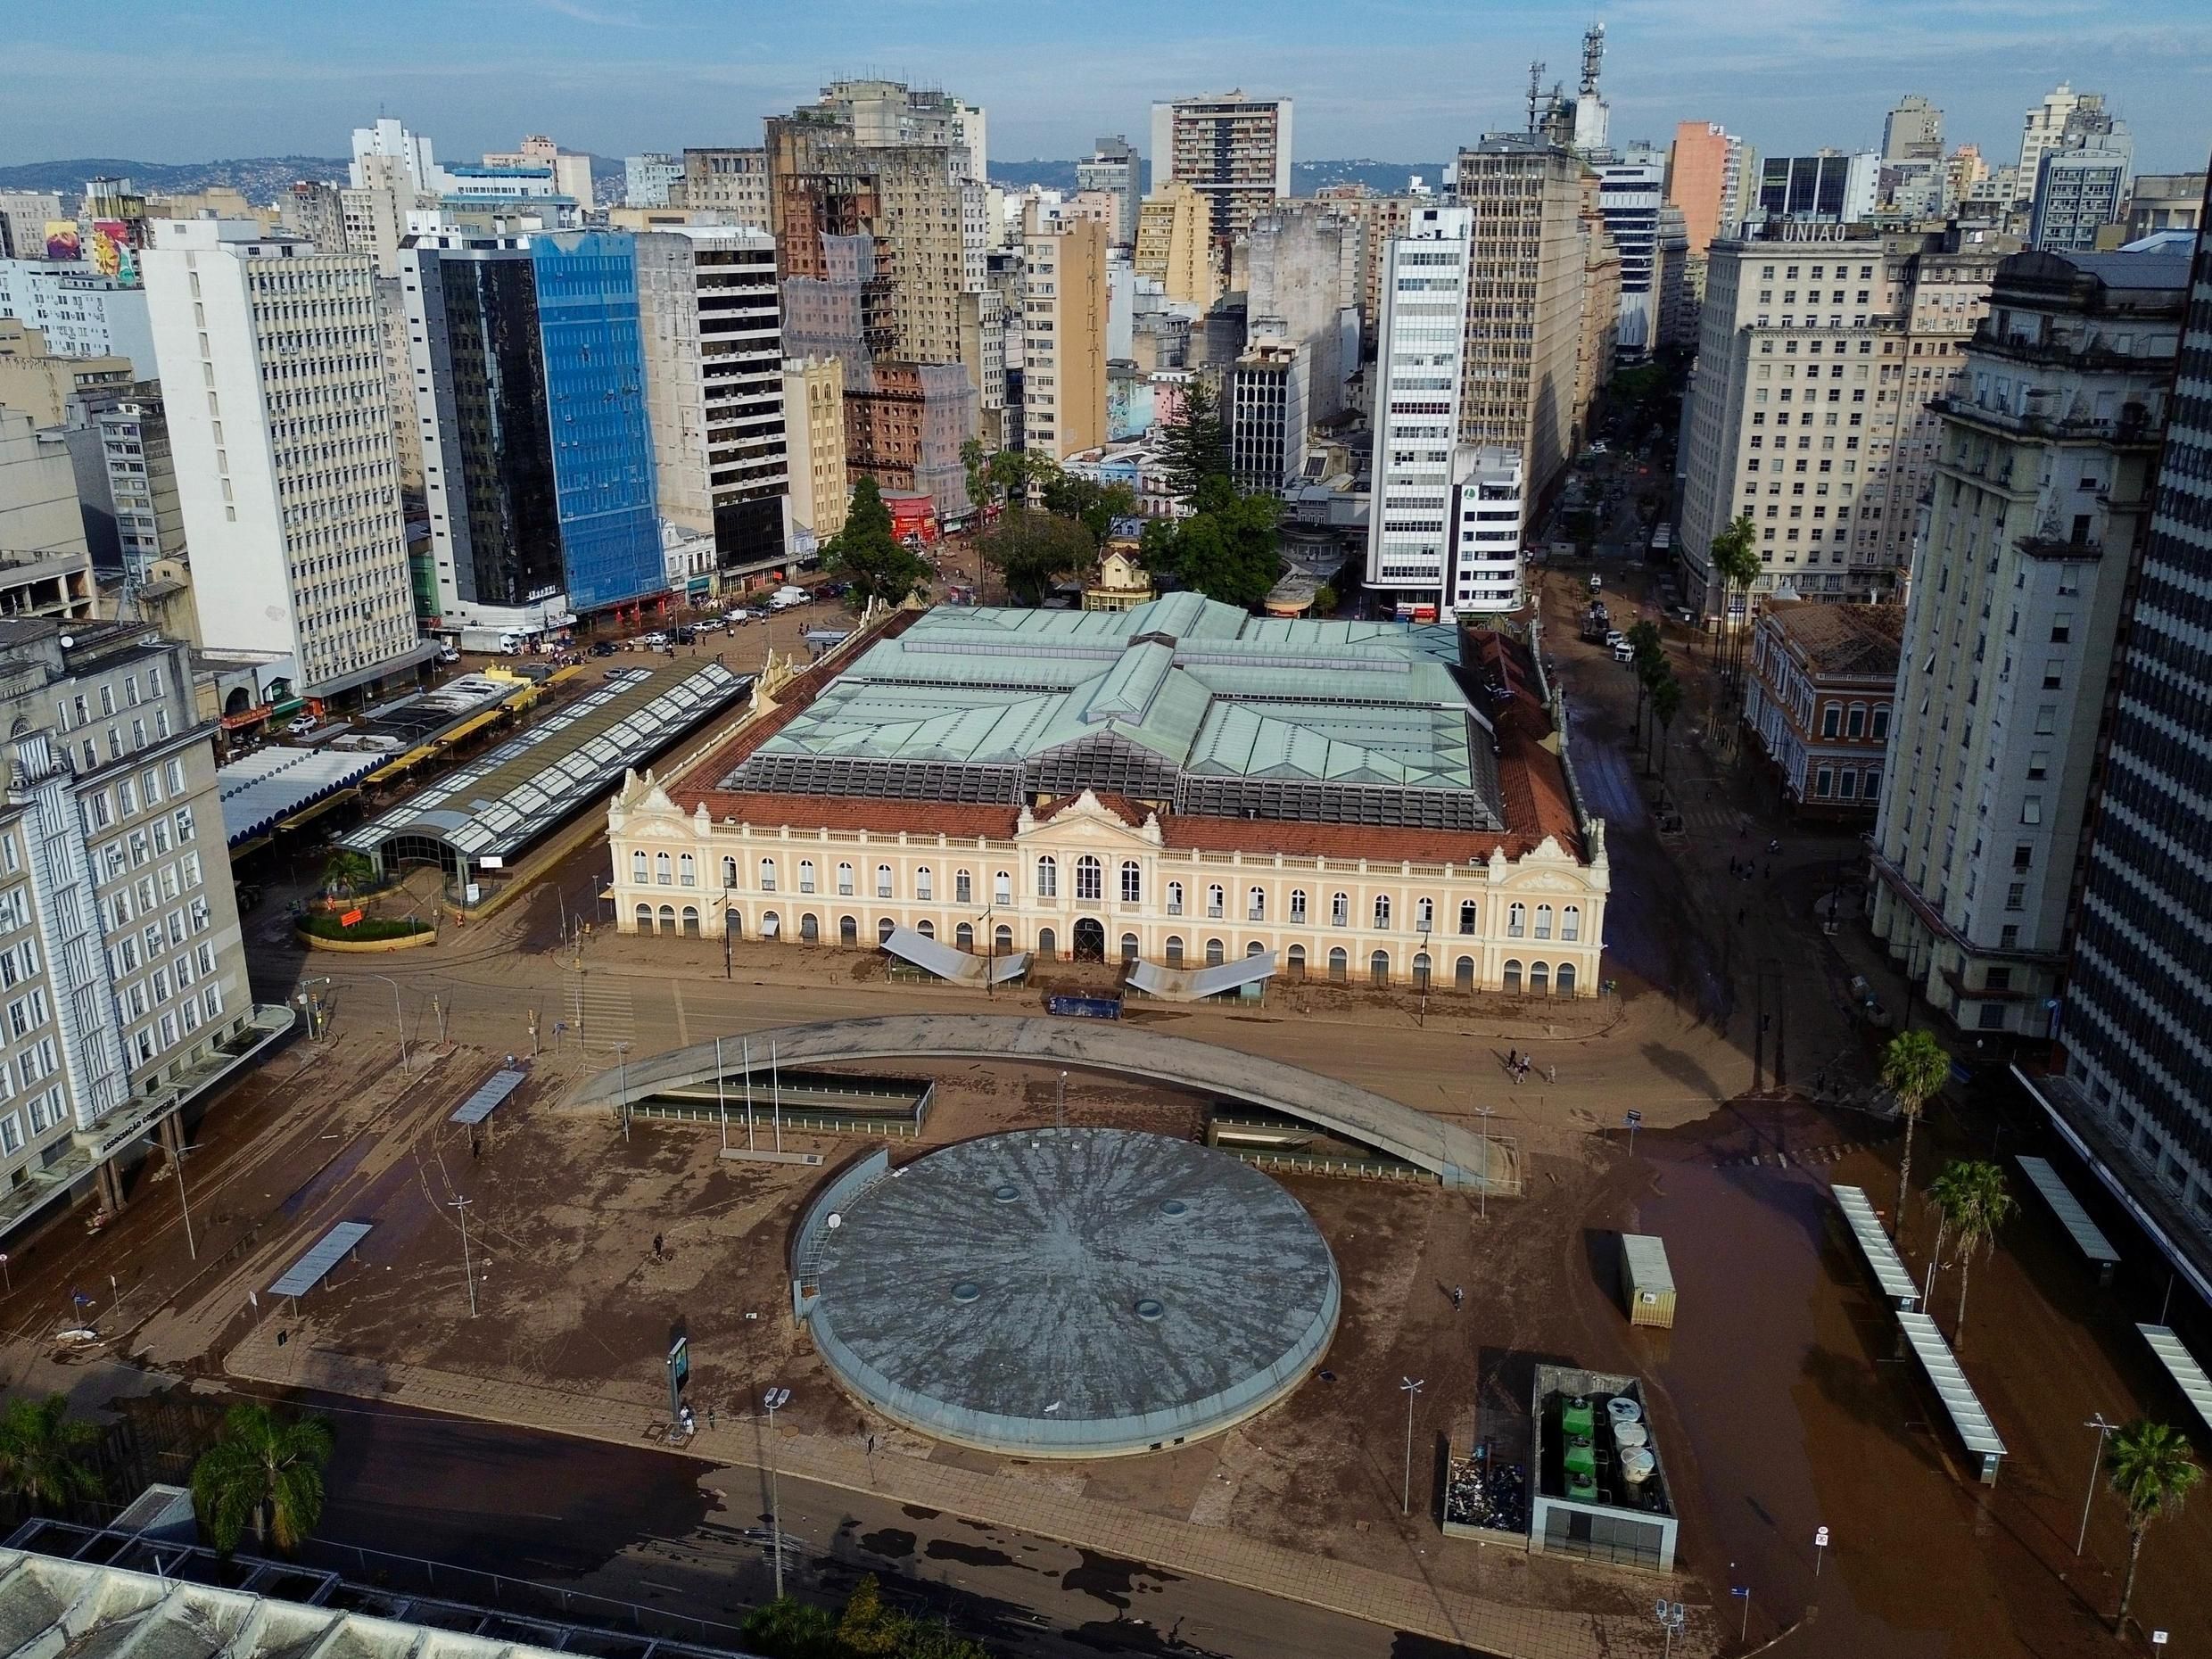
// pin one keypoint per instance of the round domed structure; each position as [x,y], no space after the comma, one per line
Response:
[1073,1293]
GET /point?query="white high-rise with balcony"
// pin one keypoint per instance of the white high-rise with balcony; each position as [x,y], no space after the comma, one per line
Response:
[1421,346]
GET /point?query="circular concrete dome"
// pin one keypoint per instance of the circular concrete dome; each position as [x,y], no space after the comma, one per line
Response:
[1073,1293]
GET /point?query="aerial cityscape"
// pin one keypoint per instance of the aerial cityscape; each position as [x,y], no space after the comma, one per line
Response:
[903,831]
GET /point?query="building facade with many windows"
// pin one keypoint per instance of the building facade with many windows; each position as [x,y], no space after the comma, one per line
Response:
[1419,386]
[1818,702]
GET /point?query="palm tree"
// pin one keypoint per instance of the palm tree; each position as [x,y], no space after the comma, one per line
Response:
[347,871]
[1975,1202]
[1736,561]
[43,1454]
[1914,1066]
[1666,703]
[2152,1468]
[264,1470]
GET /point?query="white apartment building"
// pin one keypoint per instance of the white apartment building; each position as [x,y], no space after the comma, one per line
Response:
[80,312]
[2080,189]
[123,992]
[709,316]
[24,215]
[2044,126]
[273,373]
[1630,193]
[2040,491]
[648,180]
[1421,342]
[1489,507]
[1234,150]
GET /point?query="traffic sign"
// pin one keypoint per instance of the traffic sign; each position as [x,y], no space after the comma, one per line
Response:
[1820,1537]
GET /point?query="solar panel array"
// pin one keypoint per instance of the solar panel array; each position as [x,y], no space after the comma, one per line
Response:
[480,1105]
[329,1251]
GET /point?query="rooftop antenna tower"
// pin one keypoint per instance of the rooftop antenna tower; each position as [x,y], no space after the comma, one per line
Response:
[1593,56]
[1536,91]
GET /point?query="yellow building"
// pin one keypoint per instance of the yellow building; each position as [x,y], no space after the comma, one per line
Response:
[813,437]
[1173,244]
[1063,400]
[1122,582]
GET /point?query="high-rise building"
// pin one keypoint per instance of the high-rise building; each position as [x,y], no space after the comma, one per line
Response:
[1598,329]
[1830,187]
[120,945]
[2044,126]
[2157,201]
[1233,150]
[1673,281]
[128,425]
[1630,193]
[1705,178]
[282,444]
[1174,246]
[1818,353]
[724,181]
[80,312]
[1117,169]
[24,215]
[2134,1091]
[315,212]
[1524,306]
[1063,380]
[1913,130]
[2081,187]
[650,180]
[813,427]
[2039,496]
[1488,508]
[709,312]
[46,568]
[1421,361]
[1303,272]
[43,385]
[571,170]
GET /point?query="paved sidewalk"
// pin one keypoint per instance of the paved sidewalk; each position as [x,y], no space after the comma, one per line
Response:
[1204,1552]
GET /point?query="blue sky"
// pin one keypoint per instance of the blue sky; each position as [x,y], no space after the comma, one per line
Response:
[1392,79]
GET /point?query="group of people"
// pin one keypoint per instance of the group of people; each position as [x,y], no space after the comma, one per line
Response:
[1519,1065]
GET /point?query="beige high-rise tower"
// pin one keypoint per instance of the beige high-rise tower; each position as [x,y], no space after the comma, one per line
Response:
[1174,245]
[1064,340]
[813,424]
[1235,150]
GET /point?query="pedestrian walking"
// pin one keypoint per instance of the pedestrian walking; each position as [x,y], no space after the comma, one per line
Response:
[1551,1074]
[1458,1296]
[656,1238]
[1512,1059]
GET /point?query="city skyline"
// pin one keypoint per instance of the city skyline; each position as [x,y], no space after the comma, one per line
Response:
[1413,80]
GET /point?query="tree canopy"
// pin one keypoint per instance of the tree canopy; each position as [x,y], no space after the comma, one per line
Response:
[1031,549]
[1194,445]
[1225,548]
[45,1452]
[868,556]
[264,1472]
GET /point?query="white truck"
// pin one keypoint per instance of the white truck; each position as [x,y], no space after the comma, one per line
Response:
[784,599]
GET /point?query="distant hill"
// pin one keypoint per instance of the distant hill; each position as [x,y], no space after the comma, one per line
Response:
[260,177]
[1384,177]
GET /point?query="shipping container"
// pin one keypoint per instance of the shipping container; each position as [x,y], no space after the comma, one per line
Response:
[1646,1281]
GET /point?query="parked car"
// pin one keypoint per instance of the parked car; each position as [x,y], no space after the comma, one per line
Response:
[685,636]
[447,654]
[1596,582]
[602,647]
[300,725]
[1615,639]
[654,641]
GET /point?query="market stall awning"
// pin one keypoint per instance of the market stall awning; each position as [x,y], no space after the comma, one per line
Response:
[949,963]
[1186,985]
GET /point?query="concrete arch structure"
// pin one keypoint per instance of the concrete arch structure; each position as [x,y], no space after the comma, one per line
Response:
[1454,1156]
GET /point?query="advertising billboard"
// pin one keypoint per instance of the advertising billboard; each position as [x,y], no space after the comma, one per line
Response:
[62,240]
[111,252]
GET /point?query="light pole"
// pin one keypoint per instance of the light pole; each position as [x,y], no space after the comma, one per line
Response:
[2096,1421]
[1411,1388]
[184,1203]
[1425,968]
[622,1058]
[1671,1617]
[397,1014]
[1484,1200]
[774,1399]
[318,1018]
[990,961]
[469,1267]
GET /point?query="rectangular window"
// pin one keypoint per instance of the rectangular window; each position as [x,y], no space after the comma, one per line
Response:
[2032,809]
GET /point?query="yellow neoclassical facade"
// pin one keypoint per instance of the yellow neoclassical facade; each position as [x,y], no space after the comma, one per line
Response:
[1087,877]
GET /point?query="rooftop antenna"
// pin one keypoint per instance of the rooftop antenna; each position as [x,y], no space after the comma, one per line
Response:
[1536,90]
[1593,57]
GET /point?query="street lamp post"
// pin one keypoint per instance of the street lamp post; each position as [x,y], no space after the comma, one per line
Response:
[775,1399]
[2096,1421]
[468,1265]
[1425,968]
[1671,1616]
[183,1201]
[1411,1388]
[318,1017]
[398,1015]
[990,961]
[622,1058]
[1484,1199]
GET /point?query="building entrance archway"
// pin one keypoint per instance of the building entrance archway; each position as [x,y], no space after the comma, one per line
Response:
[1090,940]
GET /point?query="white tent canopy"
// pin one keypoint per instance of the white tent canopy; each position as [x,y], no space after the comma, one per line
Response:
[1183,985]
[948,962]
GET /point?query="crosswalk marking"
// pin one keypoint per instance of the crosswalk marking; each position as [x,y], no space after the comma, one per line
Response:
[604,1006]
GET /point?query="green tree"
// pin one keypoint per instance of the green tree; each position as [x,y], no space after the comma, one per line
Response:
[1914,1066]
[1648,660]
[44,1454]
[974,461]
[1227,550]
[1666,703]
[347,871]
[1030,549]
[867,1628]
[1736,562]
[2152,1468]
[1194,445]
[1093,505]
[868,556]
[264,1472]
[788,1628]
[1974,1201]
[1324,600]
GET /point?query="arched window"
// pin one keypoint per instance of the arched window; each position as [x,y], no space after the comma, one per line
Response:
[806,875]
[1516,921]
[1213,953]
[1382,909]
[691,922]
[923,889]
[1298,961]
[1004,940]
[1175,950]
[1512,981]
[1340,909]
[1131,881]
[1339,964]
[927,929]
[1466,916]
[1463,974]
[1570,922]
[1048,946]
[1175,898]
[1255,904]
[845,881]
[1255,949]
[668,919]
[1424,914]
[1048,876]
[848,931]
[810,927]
[768,875]
[1214,901]
[639,871]
[964,936]
[1566,980]
[1298,904]
[645,914]
[729,873]
[1543,921]
[770,927]
[1090,880]
[687,870]
[664,869]
[963,887]
[1421,969]
[883,881]
[1128,949]
[883,928]
[1378,968]
[1002,887]
[1539,979]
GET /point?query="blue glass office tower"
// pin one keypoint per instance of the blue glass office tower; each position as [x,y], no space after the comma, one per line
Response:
[594,359]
